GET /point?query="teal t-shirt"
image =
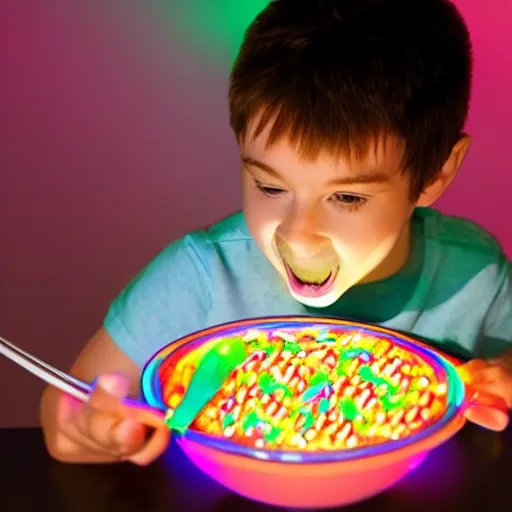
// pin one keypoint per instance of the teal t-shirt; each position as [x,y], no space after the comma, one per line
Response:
[455,290]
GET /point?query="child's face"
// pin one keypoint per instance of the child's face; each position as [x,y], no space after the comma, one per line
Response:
[329,224]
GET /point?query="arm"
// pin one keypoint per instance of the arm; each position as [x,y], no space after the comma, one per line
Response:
[496,342]
[166,300]
[99,356]
[491,371]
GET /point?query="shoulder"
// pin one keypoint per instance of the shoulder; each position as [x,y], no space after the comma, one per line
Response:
[462,260]
[224,239]
[459,236]
[465,287]
[198,245]
[230,229]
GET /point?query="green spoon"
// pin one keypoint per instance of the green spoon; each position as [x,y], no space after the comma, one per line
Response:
[213,370]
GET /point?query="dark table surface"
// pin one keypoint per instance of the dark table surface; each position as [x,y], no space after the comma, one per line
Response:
[471,472]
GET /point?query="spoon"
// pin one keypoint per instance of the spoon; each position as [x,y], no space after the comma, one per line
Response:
[213,370]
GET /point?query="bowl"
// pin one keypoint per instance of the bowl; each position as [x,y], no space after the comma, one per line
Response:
[360,453]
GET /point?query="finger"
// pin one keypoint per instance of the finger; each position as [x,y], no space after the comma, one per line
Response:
[488,410]
[74,444]
[497,389]
[83,420]
[473,370]
[105,434]
[490,393]
[141,413]
[128,436]
[75,439]
[73,424]
[498,383]
[91,424]
[155,446]
[487,418]
[493,378]
[109,396]
[101,428]
[107,393]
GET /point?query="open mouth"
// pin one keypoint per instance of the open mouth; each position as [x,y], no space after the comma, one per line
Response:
[309,288]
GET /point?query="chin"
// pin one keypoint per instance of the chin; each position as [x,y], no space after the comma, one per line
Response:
[317,302]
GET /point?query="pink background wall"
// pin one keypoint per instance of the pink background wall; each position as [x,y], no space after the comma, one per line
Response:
[114,141]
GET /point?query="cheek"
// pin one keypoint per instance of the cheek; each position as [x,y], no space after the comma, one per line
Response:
[372,229]
[260,217]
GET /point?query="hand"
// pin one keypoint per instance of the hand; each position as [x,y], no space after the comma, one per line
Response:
[490,382]
[108,428]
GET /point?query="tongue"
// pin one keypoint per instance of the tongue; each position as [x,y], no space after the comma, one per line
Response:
[309,289]
[310,283]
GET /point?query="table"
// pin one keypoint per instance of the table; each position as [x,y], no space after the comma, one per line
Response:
[472,473]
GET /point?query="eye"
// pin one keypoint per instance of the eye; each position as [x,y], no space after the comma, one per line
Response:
[269,190]
[349,201]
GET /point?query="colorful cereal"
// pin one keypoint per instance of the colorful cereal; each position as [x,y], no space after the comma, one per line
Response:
[318,390]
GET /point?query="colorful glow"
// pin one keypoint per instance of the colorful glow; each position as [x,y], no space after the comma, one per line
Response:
[312,391]
[215,28]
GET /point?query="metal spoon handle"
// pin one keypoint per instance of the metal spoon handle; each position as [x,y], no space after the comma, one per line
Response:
[45,371]
[138,411]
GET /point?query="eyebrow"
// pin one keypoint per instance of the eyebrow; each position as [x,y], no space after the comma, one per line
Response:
[361,178]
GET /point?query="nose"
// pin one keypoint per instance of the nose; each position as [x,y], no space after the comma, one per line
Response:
[301,231]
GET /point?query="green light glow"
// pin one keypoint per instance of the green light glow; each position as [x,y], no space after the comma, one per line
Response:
[213,27]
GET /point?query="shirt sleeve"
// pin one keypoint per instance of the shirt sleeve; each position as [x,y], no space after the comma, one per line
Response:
[170,298]
[497,329]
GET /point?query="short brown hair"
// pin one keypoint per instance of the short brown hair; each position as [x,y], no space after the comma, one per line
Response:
[336,75]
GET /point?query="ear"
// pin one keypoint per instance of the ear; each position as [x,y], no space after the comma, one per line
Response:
[447,173]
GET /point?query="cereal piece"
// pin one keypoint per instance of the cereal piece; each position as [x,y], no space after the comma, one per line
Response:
[341,390]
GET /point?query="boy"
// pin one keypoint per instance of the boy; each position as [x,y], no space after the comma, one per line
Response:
[349,117]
